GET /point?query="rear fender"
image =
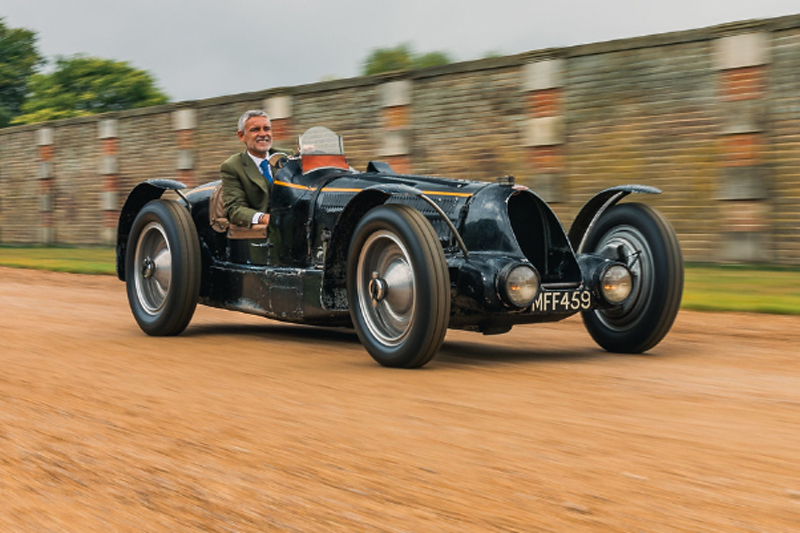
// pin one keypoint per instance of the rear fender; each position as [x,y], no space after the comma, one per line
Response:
[141,194]
[591,212]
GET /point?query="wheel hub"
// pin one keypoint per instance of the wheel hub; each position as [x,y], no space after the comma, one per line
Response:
[386,287]
[377,289]
[153,270]
[148,267]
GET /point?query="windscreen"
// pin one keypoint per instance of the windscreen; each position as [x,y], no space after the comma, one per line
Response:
[320,141]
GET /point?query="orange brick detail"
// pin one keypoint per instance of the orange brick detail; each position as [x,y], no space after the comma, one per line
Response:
[110,146]
[110,219]
[187,177]
[746,83]
[547,158]
[746,216]
[185,139]
[110,183]
[281,129]
[546,103]
[46,153]
[400,163]
[742,149]
[395,117]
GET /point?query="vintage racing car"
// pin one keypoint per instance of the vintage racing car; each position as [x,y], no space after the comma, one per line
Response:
[400,258]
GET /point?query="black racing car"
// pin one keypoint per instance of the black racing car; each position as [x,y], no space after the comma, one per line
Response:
[400,258]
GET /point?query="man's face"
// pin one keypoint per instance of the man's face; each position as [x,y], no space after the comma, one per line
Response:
[257,136]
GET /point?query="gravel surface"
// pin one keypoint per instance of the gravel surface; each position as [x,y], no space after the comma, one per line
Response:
[245,424]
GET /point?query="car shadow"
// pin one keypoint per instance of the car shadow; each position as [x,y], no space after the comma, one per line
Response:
[480,353]
[272,331]
[451,352]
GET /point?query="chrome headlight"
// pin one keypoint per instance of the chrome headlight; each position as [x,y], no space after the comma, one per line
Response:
[616,283]
[520,285]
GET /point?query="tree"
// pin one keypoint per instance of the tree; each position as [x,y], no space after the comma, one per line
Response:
[82,85]
[431,59]
[19,59]
[388,60]
[401,57]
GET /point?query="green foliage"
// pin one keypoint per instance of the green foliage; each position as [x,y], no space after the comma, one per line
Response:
[401,57]
[388,60]
[19,59]
[82,85]
[431,59]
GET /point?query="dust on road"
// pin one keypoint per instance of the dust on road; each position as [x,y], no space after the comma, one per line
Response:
[244,424]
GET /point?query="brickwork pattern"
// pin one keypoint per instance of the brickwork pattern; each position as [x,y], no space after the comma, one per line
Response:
[636,116]
[656,110]
[784,139]
[20,218]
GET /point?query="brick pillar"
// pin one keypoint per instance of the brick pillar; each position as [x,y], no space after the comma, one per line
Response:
[184,122]
[395,146]
[107,134]
[743,187]
[279,109]
[44,140]
[543,132]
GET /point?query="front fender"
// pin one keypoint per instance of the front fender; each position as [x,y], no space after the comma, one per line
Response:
[591,211]
[139,196]
[334,278]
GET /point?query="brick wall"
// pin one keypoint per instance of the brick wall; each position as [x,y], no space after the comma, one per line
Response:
[711,116]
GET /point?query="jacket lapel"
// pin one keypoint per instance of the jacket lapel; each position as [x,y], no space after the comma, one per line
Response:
[253,172]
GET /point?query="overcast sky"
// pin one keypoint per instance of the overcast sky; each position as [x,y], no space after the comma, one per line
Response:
[210,48]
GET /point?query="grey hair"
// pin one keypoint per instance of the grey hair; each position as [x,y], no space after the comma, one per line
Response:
[250,114]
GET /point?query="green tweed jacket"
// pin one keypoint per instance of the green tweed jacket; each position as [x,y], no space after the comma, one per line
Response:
[245,190]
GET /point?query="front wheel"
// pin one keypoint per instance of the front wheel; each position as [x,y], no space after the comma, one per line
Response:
[398,286]
[162,268]
[642,237]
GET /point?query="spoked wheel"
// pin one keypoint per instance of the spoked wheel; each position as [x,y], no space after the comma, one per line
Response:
[398,286]
[644,239]
[162,268]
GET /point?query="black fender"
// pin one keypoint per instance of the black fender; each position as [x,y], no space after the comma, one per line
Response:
[592,210]
[137,198]
[334,279]
[336,260]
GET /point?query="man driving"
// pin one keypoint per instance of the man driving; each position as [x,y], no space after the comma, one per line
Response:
[247,177]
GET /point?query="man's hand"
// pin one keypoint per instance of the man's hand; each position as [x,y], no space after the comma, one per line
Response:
[264,219]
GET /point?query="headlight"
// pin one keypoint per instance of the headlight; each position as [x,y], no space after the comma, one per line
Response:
[520,285]
[616,283]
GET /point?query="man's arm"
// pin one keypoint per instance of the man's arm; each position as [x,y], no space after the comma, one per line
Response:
[234,198]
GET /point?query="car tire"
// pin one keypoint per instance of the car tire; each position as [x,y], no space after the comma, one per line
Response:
[398,286]
[643,236]
[163,268]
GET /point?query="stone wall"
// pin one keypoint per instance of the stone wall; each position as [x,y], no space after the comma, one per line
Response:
[711,116]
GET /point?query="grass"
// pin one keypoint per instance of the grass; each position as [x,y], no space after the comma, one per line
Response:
[60,259]
[757,289]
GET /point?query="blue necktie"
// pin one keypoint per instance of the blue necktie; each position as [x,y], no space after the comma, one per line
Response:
[266,171]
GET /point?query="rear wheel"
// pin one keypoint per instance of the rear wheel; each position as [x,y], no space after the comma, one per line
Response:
[163,268]
[642,237]
[398,286]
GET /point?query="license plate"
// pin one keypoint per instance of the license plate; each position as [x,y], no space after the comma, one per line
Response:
[562,301]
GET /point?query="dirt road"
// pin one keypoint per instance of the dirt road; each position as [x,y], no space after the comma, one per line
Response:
[243,424]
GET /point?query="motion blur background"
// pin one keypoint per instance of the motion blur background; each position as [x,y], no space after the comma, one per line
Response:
[709,114]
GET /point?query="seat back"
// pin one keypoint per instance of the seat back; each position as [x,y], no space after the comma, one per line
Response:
[220,224]
[216,211]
